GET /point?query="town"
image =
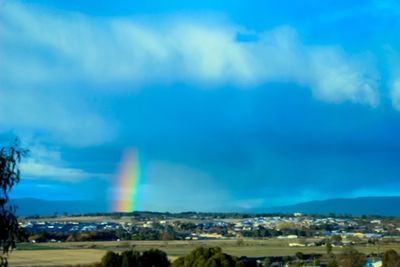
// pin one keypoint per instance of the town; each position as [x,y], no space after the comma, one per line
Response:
[296,233]
[197,226]
[201,226]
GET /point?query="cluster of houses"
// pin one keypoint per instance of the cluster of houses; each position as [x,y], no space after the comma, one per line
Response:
[65,227]
[346,228]
[343,231]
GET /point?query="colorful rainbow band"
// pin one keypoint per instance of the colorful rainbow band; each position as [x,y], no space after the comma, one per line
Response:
[126,191]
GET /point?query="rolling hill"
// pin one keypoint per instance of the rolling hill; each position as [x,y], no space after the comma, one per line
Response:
[386,206]
[34,206]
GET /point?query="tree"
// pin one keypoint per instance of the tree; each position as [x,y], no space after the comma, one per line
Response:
[332,263]
[130,259]
[299,256]
[266,262]
[166,236]
[111,259]
[352,258]
[391,259]
[203,256]
[10,157]
[154,257]
[336,239]
[328,247]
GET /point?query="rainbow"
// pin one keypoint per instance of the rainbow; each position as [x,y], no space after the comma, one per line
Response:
[125,192]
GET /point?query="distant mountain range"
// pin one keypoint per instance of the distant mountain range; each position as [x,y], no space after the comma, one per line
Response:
[34,206]
[386,206]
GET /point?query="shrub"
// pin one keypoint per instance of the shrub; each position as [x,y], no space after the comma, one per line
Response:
[391,259]
[154,257]
[352,258]
[111,259]
[207,257]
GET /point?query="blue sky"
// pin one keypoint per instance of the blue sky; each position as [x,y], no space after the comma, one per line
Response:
[232,105]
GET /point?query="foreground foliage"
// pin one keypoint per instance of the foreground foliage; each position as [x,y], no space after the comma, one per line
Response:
[149,258]
[212,257]
[10,157]
[391,259]
[200,257]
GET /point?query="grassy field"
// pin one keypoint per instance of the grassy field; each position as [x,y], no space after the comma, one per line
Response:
[62,257]
[73,253]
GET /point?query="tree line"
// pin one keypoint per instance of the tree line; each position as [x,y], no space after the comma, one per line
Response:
[214,257]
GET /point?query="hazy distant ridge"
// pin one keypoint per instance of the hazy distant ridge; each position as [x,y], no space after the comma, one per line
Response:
[387,206]
[34,206]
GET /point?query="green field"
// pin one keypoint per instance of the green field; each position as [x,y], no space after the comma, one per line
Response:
[63,254]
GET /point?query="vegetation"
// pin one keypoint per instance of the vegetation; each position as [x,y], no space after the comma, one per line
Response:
[391,259]
[10,157]
[352,258]
[212,257]
[271,252]
[328,247]
[199,257]
[149,258]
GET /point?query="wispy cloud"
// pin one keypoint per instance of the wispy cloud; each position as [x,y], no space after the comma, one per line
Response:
[45,164]
[63,118]
[395,94]
[36,170]
[54,47]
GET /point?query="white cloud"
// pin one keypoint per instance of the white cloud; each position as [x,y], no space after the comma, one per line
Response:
[395,94]
[337,80]
[36,170]
[47,164]
[60,117]
[55,47]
